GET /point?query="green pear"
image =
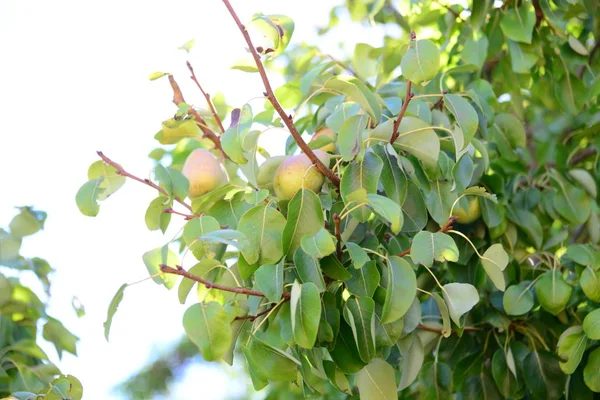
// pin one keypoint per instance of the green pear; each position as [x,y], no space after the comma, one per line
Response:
[204,171]
[266,172]
[298,172]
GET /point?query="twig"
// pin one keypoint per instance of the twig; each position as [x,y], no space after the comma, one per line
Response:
[430,329]
[582,155]
[178,98]
[270,95]
[147,182]
[211,285]
[260,314]
[206,96]
[338,235]
[409,95]
[186,216]
[447,226]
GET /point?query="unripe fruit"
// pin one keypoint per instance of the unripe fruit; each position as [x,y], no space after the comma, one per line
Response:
[266,172]
[330,147]
[466,216]
[204,171]
[298,172]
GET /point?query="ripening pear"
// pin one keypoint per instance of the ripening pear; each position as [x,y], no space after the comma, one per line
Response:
[266,172]
[204,171]
[298,172]
[330,147]
[472,213]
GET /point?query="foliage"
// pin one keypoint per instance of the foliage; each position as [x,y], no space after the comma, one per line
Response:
[366,283]
[25,370]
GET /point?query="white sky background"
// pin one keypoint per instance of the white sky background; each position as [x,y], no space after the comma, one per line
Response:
[73,80]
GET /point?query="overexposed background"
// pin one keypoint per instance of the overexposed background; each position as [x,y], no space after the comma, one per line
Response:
[73,80]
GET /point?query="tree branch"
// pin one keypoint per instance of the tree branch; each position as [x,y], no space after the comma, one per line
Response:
[187,217]
[338,236]
[447,226]
[260,314]
[582,155]
[271,97]
[178,98]
[147,182]
[206,96]
[430,329]
[409,95]
[211,285]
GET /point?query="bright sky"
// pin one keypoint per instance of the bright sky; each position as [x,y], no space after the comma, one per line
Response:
[73,80]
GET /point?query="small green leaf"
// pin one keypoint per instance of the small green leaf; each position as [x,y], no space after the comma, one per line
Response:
[229,237]
[377,381]
[444,313]
[518,22]
[154,258]
[571,346]
[157,75]
[112,309]
[308,269]
[543,376]
[460,298]
[172,180]
[277,28]
[415,138]
[388,210]
[464,114]
[591,325]
[356,91]
[155,217]
[475,51]
[401,290]
[427,247]
[553,292]
[590,284]
[591,372]
[358,256]
[495,260]
[305,217]
[359,313]
[518,299]
[27,222]
[319,245]
[199,270]
[305,303]
[263,226]
[187,46]
[173,130]
[269,280]
[421,62]
[413,356]
[333,268]
[87,197]
[350,137]
[364,280]
[504,376]
[207,326]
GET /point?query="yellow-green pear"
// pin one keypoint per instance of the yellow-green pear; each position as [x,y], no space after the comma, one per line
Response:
[204,171]
[298,172]
[329,147]
[266,172]
[470,214]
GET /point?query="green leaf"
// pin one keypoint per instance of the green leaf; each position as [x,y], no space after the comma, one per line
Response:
[481,386]
[263,226]
[495,260]
[543,376]
[508,134]
[112,309]
[464,114]
[10,246]
[392,177]
[207,326]
[401,290]
[444,313]
[87,197]
[518,22]
[27,222]
[277,28]
[319,245]
[187,46]
[199,270]
[439,201]
[229,237]
[586,180]
[475,51]
[553,292]
[269,280]
[421,62]
[55,332]
[356,91]
[345,352]
[361,175]
[413,356]
[571,202]
[504,376]
[154,258]
[529,223]
[460,298]
[157,75]
[364,280]
[269,361]
[388,210]
[571,346]
[359,313]
[350,137]
[305,303]
[197,227]
[233,139]
[173,130]
[520,58]
[377,381]
[414,209]
[333,268]
[590,284]
[28,347]
[364,60]
[65,387]
[415,138]
[591,372]
[308,269]
[155,217]
[591,325]
[427,247]
[305,217]
[517,299]
[358,256]
[172,180]
[111,180]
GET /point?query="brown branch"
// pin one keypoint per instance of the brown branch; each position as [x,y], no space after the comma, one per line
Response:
[338,235]
[430,329]
[186,216]
[582,155]
[439,101]
[206,96]
[409,95]
[147,182]
[271,97]
[447,226]
[260,314]
[178,98]
[211,285]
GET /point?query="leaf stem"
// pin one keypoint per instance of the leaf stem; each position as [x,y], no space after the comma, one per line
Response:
[409,95]
[206,96]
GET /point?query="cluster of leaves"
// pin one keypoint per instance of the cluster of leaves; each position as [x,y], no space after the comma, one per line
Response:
[25,371]
[365,286]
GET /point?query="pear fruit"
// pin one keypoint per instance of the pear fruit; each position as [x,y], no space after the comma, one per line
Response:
[297,172]
[204,171]
[266,172]
[470,214]
[329,147]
